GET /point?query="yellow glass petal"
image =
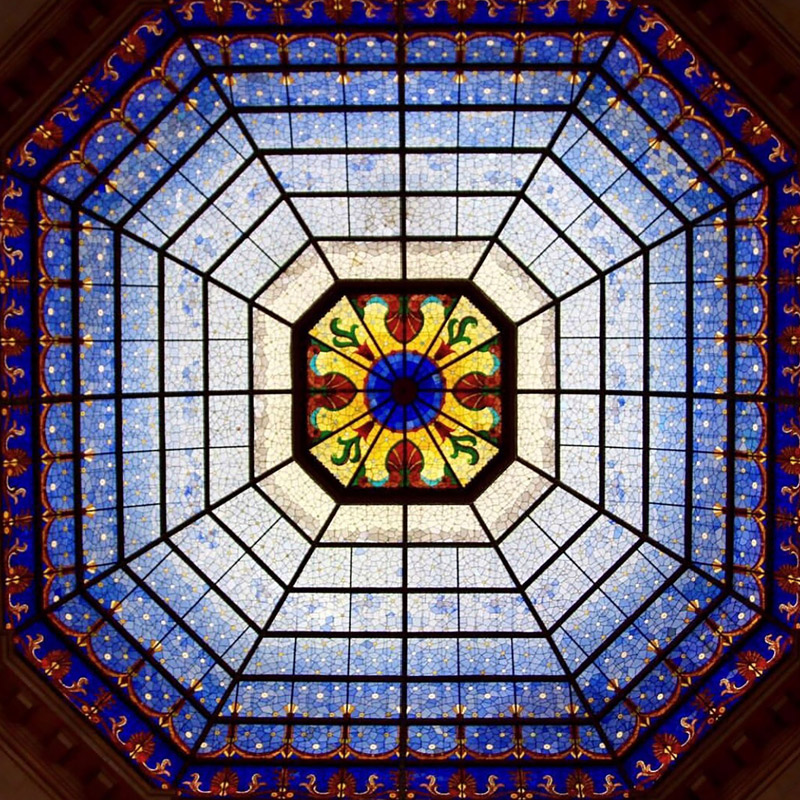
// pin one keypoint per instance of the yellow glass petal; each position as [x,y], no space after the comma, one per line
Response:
[375,465]
[477,419]
[343,452]
[465,329]
[328,420]
[433,463]
[465,451]
[477,361]
[432,311]
[329,361]
[375,313]
[342,329]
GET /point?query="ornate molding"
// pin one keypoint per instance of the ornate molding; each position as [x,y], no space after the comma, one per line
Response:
[65,37]
[52,51]
[750,47]
[749,750]
[56,750]
[49,743]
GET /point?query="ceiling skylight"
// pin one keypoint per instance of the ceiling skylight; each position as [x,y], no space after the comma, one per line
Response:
[392,398]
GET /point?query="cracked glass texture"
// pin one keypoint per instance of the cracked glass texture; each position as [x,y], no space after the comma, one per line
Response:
[608,577]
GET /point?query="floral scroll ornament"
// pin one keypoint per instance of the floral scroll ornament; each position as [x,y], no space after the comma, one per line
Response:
[789,340]
[17,579]
[580,784]
[789,458]
[14,342]
[339,9]
[670,45]
[461,9]
[463,786]
[751,666]
[755,131]
[140,747]
[341,786]
[225,783]
[218,11]
[13,224]
[16,461]
[582,10]
[788,578]
[789,222]
[132,48]
[56,665]
[666,748]
[48,135]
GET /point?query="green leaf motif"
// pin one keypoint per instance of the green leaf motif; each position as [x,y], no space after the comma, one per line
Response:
[323,348]
[348,446]
[459,447]
[460,335]
[348,338]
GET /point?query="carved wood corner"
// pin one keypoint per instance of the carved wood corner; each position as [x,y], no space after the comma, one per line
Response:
[53,746]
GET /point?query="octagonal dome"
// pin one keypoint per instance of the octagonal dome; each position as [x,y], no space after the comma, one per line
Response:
[394,398]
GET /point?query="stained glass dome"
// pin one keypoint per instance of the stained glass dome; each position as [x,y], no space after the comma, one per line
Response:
[400,398]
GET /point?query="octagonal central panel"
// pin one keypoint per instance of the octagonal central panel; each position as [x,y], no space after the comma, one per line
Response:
[401,391]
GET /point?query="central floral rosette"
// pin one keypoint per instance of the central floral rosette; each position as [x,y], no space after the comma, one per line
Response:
[403,390]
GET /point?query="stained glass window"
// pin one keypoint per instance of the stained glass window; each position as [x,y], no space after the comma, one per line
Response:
[404,391]
[399,398]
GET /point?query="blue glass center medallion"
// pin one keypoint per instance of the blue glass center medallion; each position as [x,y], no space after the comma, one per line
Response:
[404,391]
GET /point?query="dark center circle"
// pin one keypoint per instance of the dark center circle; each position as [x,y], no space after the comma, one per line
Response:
[404,391]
